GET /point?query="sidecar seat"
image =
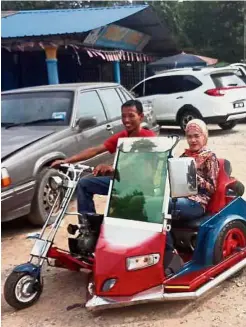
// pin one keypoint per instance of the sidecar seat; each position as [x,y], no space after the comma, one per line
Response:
[228,188]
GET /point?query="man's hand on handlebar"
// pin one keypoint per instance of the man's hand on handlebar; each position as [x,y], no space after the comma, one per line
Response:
[57,163]
[103,170]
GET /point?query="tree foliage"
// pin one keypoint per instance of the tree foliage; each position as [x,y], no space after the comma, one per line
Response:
[38,5]
[212,28]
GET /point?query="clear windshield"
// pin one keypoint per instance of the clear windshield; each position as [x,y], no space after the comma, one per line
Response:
[139,186]
[32,106]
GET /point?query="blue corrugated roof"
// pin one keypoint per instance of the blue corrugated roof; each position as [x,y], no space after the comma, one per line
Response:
[50,22]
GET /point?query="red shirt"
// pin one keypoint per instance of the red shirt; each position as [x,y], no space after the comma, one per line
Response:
[111,143]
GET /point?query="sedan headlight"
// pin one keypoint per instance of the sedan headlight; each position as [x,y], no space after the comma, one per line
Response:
[143,261]
[5,178]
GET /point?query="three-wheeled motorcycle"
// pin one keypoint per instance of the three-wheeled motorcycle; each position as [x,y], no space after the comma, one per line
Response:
[126,249]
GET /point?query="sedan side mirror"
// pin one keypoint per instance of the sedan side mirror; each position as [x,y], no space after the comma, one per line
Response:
[183,177]
[84,123]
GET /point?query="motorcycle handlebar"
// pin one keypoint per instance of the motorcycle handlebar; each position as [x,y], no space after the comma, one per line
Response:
[79,166]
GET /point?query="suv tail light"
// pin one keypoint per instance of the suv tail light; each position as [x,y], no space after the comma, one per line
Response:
[215,92]
[220,91]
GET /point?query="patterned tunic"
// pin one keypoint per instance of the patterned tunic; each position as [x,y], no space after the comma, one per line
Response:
[207,173]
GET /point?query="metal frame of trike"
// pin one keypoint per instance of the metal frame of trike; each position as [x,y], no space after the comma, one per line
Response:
[43,248]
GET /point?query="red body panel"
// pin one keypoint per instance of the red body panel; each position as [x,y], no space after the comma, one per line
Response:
[111,254]
[219,199]
[66,260]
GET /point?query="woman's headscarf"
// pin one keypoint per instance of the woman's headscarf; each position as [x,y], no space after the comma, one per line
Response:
[197,125]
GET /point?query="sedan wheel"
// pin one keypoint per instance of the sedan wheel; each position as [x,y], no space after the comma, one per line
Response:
[44,199]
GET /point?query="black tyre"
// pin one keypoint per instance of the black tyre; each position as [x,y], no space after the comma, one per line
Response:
[43,199]
[232,237]
[186,116]
[228,125]
[21,290]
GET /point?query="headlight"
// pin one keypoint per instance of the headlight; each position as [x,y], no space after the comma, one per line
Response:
[5,178]
[143,261]
[108,284]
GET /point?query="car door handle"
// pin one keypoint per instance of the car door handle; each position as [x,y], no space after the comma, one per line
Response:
[179,97]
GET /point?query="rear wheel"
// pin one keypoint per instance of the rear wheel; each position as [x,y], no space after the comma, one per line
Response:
[186,116]
[228,125]
[231,238]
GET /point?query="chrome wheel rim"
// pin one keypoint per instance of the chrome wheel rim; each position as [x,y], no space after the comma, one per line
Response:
[49,197]
[21,289]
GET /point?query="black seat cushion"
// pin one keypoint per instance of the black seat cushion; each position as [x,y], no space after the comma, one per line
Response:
[190,223]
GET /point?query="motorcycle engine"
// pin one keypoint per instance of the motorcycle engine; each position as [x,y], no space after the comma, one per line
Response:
[86,235]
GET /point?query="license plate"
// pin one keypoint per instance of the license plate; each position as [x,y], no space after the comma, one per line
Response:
[238,105]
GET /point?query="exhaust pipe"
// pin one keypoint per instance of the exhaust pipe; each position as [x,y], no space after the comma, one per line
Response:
[158,295]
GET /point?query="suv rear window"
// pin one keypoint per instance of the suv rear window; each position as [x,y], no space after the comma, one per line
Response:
[226,79]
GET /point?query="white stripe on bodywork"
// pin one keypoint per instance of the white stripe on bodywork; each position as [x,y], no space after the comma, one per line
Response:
[123,233]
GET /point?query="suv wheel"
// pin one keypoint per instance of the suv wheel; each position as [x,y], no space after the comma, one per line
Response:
[228,125]
[186,116]
[43,199]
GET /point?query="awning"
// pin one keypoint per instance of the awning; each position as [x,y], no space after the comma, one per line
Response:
[43,25]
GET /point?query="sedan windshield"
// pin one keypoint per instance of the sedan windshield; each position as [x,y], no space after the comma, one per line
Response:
[47,107]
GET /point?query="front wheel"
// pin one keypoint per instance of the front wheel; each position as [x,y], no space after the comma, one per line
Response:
[228,125]
[21,290]
[231,238]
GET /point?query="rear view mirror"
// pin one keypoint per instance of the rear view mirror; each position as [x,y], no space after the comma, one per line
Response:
[183,177]
[84,123]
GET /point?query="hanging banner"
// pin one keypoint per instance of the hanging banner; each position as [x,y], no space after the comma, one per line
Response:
[118,55]
[114,36]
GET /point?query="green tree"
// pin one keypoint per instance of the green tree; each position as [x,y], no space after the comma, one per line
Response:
[38,5]
[212,28]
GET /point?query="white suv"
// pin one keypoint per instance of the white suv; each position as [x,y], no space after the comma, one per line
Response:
[216,95]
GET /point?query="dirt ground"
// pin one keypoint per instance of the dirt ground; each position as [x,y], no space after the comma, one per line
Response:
[64,291]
